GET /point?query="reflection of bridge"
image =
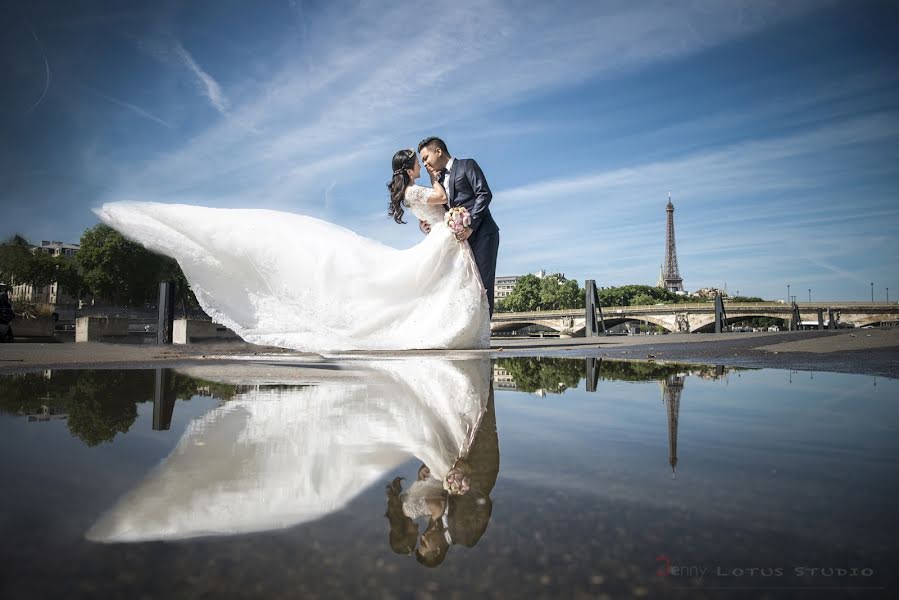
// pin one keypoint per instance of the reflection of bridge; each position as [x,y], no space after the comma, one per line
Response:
[701,316]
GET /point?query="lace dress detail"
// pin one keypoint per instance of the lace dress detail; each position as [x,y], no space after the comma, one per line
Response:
[298,282]
[416,201]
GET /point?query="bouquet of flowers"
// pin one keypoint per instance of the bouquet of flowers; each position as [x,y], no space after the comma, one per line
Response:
[457,219]
[456,482]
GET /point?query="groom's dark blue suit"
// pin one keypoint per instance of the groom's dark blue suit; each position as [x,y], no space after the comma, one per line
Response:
[466,186]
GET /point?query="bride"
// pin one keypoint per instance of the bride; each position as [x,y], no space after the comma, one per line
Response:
[298,282]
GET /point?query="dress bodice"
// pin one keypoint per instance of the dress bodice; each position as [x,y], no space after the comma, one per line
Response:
[416,201]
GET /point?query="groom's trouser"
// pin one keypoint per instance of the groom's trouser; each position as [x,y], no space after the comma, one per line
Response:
[485,246]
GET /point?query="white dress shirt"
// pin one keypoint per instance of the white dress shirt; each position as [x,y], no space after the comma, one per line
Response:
[446,169]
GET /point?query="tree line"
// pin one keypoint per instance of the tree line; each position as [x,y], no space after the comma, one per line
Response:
[98,404]
[555,375]
[107,266]
[550,293]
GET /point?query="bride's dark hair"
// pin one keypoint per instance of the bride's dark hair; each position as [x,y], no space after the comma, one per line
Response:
[402,160]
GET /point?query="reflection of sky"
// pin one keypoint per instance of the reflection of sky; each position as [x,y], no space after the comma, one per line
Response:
[811,463]
[50,465]
[792,454]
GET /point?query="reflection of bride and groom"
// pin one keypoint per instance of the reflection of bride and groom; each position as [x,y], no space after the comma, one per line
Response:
[279,455]
[457,509]
[295,281]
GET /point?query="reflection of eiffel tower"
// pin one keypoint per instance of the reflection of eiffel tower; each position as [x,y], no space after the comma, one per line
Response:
[671,389]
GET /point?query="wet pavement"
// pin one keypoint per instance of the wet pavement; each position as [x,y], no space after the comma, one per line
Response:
[587,478]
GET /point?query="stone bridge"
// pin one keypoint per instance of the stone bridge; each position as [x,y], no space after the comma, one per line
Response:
[700,317]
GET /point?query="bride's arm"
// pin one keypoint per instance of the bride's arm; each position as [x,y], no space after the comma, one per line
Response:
[438,194]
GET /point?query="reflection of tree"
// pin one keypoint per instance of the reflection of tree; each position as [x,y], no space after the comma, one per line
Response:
[25,393]
[638,370]
[624,370]
[185,387]
[541,373]
[99,404]
[104,403]
[557,374]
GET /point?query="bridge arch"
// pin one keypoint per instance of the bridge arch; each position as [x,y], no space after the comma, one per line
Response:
[873,320]
[503,326]
[706,323]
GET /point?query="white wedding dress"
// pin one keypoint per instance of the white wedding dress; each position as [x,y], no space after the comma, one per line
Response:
[298,282]
[273,457]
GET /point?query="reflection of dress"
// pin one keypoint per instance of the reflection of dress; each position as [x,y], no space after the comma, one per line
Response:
[272,458]
[295,281]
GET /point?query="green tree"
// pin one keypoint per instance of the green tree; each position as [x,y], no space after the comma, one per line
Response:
[41,270]
[532,293]
[15,262]
[571,295]
[20,265]
[642,299]
[549,293]
[631,295]
[525,296]
[116,268]
[68,275]
[125,272]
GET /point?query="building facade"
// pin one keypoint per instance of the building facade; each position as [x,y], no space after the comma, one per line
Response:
[52,293]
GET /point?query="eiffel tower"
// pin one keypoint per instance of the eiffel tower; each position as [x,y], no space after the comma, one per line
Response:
[670,277]
[672,386]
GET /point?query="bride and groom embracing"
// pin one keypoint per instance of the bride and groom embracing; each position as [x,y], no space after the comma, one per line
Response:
[298,282]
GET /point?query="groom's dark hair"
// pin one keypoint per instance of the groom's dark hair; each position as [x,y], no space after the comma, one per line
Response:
[433,141]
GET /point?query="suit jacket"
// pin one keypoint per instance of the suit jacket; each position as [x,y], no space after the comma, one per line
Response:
[469,515]
[466,186]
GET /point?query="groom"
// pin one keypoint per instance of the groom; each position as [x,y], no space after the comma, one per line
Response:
[466,186]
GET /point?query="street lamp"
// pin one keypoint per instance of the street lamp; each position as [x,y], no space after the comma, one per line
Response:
[810,294]
[872,292]
[888,295]
[788,293]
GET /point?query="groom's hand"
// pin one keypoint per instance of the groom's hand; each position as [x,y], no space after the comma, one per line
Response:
[464,235]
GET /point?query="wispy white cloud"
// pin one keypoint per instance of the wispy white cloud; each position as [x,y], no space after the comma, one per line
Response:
[210,87]
[361,83]
[746,168]
[366,77]
[132,107]
[749,211]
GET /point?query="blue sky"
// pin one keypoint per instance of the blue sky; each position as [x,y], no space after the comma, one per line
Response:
[774,125]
